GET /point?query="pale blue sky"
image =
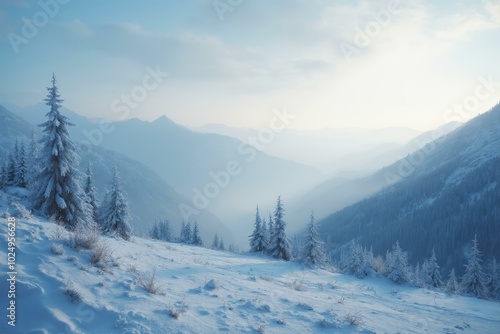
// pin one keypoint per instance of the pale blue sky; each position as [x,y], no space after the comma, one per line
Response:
[423,59]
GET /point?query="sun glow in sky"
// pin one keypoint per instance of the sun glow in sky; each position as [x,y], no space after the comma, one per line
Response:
[371,64]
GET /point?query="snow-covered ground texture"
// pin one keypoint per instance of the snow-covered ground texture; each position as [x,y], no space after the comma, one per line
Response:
[203,291]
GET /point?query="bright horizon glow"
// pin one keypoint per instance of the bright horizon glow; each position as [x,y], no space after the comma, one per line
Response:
[423,60]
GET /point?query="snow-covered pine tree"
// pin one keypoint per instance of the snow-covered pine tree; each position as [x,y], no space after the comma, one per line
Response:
[21,168]
[270,234]
[313,250]
[11,168]
[265,234]
[397,265]
[431,273]
[295,248]
[91,193]
[221,245]
[474,281]
[493,279]
[452,284]
[57,193]
[353,262]
[32,162]
[186,233]
[4,174]
[154,232]
[215,242]
[165,231]
[197,241]
[257,239]
[280,245]
[114,213]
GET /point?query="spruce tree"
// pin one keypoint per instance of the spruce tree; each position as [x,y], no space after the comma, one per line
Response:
[397,265]
[452,284]
[165,231]
[114,213]
[313,252]
[280,245]
[215,242]
[221,245]
[57,193]
[474,281]
[493,280]
[155,233]
[21,168]
[4,174]
[186,233]
[32,162]
[432,275]
[257,239]
[11,168]
[91,193]
[270,234]
[197,241]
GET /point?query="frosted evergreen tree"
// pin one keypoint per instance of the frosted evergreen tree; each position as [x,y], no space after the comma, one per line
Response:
[32,162]
[186,233]
[452,284]
[474,281]
[58,193]
[280,245]
[313,250]
[431,272]
[353,261]
[91,193]
[493,280]
[155,233]
[11,168]
[265,233]
[4,174]
[270,233]
[295,247]
[165,231]
[21,168]
[397,265]
[114,213]
[221,245]
[215,242]
[196,236]
[258,238]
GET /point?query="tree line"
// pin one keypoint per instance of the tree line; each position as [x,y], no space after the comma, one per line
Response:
[57,189]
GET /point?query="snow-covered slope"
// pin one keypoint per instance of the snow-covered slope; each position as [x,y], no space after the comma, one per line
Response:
[437,197]
[202,291]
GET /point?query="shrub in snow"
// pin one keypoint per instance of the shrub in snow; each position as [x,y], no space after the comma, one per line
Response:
[74,294]
[57,249]
[101,255]
[84,238]
[176,310]
[298,285]
[352,319]
[19,211]
[150,283]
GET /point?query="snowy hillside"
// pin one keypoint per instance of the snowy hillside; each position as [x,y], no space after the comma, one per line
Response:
[199,291]
[438,197]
